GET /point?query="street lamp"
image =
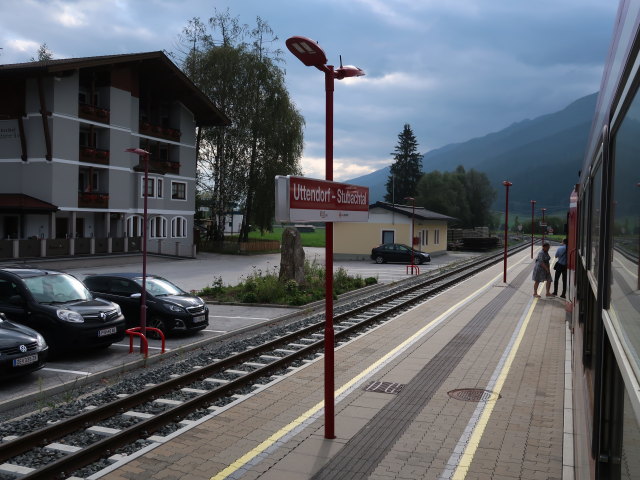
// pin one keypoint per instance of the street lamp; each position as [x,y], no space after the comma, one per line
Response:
[311,55]
[544,225]
[413,218]
[533,204]
[507,184]
[144,155]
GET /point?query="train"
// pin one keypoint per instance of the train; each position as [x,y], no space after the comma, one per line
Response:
[603,301]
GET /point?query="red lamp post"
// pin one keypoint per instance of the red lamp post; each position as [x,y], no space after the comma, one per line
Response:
[507,184]
[311,55]
[533,204]
[544,227]
[413,218]
[143,297]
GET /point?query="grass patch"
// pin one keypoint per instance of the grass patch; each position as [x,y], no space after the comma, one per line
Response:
[266,288]
[309,239]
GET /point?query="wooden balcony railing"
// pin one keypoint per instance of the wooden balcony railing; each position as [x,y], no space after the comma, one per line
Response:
[93,113]
[93,200]
[159,167]
[94,155]
[160,132]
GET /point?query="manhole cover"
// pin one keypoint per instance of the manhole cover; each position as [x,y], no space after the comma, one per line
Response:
[473,395]
[384,387]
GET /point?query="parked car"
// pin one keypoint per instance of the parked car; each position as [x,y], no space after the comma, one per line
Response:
[169,308]
[22,350]
[397,252]
[60,308]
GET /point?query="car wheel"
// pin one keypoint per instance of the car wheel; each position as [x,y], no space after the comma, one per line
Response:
[379,259]
[420,260]
[159,324]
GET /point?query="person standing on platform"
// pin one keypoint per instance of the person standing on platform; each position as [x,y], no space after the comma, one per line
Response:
[561,269]
[542,271]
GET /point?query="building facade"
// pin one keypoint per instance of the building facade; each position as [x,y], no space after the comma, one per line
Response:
[391,223]
[68,186]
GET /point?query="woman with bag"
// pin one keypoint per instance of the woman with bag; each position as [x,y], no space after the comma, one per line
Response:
[541,270]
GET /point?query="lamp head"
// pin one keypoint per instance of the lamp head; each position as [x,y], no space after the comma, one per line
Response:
[348,71]
[507,183]
[137,151]
[307,51]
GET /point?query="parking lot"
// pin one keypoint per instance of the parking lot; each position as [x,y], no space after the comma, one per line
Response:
[189,274]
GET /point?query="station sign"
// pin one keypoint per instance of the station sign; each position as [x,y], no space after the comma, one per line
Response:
[301,199]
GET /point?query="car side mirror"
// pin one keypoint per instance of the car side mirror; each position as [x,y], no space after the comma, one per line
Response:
[136,295]
[17,300]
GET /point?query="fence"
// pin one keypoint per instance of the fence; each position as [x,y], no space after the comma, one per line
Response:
[252,246]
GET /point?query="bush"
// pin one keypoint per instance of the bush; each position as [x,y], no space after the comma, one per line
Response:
[265,287]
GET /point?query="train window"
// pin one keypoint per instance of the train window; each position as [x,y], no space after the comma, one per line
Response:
[630,460]
[624,302]
[596,205]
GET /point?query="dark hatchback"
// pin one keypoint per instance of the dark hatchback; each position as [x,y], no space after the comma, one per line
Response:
[22,350]
[60,308]
[169,308]
[397,252]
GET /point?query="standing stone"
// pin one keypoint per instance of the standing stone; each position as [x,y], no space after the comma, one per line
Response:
[291,256]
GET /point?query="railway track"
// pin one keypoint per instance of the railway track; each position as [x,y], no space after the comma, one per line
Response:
[94,439]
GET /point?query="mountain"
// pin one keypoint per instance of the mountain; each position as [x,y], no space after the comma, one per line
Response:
[541,157]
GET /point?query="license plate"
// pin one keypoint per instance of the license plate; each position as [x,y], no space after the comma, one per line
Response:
[19,362]
[199,318]
[107,331]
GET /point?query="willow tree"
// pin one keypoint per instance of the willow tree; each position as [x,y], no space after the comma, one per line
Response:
[237,164]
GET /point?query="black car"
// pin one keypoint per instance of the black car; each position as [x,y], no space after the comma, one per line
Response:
[169,308]
[397,252]
[60,308]
[22,350]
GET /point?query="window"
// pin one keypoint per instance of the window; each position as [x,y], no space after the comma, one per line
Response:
[179,227]
[424,237]
[436,237]
[625,232]
[388,236]
[178,191]
[134,226]
[158,227]
[154,187]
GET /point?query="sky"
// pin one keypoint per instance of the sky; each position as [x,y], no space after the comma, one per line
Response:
[451,69]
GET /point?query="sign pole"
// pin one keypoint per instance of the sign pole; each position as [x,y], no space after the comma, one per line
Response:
[329,381]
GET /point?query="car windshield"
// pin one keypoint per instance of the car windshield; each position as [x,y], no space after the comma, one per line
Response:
[57,288]
[159,287]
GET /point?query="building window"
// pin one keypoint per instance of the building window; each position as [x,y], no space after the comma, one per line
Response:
[154,187]
[388,236]
[436,237]
[179,227]
[424,237]
[178,191]
[158,227]
[134,226]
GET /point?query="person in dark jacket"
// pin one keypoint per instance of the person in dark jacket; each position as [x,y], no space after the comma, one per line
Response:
[541,270]
[561,269]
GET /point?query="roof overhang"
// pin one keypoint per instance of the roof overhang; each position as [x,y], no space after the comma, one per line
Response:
[21,203]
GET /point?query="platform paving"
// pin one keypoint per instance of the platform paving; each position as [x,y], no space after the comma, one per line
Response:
[481,334]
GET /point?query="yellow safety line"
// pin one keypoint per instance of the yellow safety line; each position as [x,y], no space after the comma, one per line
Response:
[474,441]
[269,442]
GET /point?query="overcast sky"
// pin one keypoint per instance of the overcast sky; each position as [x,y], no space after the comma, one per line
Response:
[452,69]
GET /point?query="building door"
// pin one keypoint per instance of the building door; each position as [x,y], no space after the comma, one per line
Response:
[388,236]
[79,227]
[10,227]
[62,227]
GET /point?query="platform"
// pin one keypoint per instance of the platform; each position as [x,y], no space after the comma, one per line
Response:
[470,384]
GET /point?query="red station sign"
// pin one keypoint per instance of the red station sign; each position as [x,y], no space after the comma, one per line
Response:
[301,199]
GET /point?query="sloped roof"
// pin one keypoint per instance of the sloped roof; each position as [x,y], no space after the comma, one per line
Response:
[154,69]
[408,210]
[21,203]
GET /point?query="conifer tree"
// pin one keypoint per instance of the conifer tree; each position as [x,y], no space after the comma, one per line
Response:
[406,169]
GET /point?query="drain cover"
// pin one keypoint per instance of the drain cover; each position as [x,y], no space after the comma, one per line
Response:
[473,395]
[384,387]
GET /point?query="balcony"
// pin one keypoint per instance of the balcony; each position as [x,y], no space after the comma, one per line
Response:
[94,155]
[161,167]
[93,113]
[93,200]
[160,132]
